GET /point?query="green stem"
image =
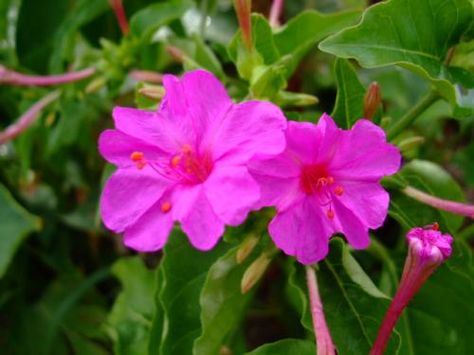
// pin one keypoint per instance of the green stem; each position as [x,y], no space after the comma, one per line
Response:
[413,114]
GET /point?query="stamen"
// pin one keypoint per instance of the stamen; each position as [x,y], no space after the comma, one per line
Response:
[339,190]
[330,180]
[140,164]
[187,149]
[166,207]
[175,161]
[137,156]
[330,214]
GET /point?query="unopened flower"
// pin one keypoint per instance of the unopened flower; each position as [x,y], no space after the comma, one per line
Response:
[427,249]
[187,163]
[326,181]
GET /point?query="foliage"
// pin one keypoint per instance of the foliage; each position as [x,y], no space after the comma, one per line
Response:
[68,286]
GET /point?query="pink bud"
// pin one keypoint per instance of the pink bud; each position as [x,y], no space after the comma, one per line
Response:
[427,249]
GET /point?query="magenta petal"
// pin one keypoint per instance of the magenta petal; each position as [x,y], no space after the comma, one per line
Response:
[150,127]
[250,128]
[303,141]
[346,222]
[298,231]
[279,192]
[195,101]
[331,137]
[116,147]
[198,220]
[364,154]
[150,232]
[232,193]
[128,194]
[367,200]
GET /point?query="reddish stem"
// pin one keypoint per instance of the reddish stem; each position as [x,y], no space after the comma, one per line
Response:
[243,9]
[324,344]
[27,119]
[275,12]
[12,77]
[119,11]
[446,205]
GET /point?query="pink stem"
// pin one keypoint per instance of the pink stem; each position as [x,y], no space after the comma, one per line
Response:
[324,344]
[27,118]
[275,12]
[117,6]
[11,77]
[446,205]
[146,75]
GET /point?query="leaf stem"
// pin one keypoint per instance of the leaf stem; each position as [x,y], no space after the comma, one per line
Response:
[413,114]
[324,343]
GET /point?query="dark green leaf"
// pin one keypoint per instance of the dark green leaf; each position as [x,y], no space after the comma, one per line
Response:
[15,224]
[222,303]
[183,272]
[147,20]
[413,34]
[286,347]
[349,105]
[129,321]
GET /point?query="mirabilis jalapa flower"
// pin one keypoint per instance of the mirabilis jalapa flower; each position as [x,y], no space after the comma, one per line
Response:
[326,181]
[187,163]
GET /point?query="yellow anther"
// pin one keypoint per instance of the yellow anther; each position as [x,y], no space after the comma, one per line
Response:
[175,161]
[339,190]
[137,156]
[166,207]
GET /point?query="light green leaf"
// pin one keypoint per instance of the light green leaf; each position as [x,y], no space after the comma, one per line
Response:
[349,105]
[413,34]
[129,321]
[286,347]
[15,224]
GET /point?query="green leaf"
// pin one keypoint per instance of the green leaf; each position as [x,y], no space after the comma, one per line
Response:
[413,34]
[15,224]
[38,22]
[432,179]
[147,20]
[264,49]
[306,29]
[349,106]
[286,347]
[353,315]
[222,303]
[129,321]
[182,273]
[82,12]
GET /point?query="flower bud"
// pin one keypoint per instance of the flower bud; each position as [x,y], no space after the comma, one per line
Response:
[372,100]
[152,92]
[246,247]
[254,272]
[427,249]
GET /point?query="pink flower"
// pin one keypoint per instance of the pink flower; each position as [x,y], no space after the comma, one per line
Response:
[427,249]
[187,163]
[326,181]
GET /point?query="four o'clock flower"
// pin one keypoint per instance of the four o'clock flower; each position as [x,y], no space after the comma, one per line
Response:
[187,163]
[326,181]
[427,249]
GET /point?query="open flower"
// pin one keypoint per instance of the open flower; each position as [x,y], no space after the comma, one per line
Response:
[187,163]
[326,181]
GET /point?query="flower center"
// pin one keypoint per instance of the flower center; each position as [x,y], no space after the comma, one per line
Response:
[187,166]
[316,180]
